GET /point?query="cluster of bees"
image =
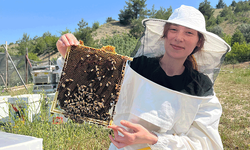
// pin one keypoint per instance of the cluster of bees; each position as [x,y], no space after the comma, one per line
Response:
[90,84]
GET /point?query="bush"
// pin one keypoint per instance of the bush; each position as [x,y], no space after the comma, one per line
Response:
[228,39]
[109,19]
[245,30]
[237,37]
[124,44]
[217,30]
[95,25]
[239,53]
[33,57]
[137,28]
[219,19]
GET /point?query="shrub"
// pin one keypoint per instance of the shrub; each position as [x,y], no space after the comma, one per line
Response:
[245,30]
[109,19]
[124,44]
[237,37]
[239,53]
[217,30]
[95,25]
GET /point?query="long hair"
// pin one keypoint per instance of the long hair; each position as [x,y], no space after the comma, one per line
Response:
[190,63]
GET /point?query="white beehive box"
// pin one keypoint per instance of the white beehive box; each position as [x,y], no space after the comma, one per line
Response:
[46,88]
[4,109]
[43,77]
[29,102]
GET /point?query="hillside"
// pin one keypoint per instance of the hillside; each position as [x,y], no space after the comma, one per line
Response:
[110,28]
[228,28]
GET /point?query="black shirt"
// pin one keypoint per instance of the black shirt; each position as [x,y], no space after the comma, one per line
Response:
[190,81]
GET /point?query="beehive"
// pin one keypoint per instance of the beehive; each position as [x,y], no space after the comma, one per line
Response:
[90,83]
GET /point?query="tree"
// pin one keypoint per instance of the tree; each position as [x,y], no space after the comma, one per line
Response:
[233,3]
[220,4]
[82,24]
[109,19]
[219,19]
[136,28]
[134,10]
[65,31]
[95,25]
[237,37]
[206,9]
[24,43]
[242,7]
[40,46]
[162,13]
[84,33]
[217,30]
[136,24]
[45,44]
[245,30]
[50,41]
[226,11]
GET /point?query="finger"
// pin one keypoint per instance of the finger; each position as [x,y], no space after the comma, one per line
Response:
[71,39]
[65,41]
[113,126]
[129,125]
[75,40]
[60,43]
[116,133]
[124,131]
[120,129]
[61,47]
[116,143]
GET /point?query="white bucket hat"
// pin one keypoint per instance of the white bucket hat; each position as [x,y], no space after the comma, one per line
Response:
[211,56]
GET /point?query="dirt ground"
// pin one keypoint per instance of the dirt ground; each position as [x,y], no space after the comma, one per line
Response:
[240,65]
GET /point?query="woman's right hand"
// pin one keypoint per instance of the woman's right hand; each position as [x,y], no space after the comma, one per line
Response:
[65,41]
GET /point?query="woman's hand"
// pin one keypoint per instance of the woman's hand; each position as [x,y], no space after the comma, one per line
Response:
[65,41]
[138,135]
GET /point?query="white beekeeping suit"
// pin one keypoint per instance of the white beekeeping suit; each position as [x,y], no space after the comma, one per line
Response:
[180,121]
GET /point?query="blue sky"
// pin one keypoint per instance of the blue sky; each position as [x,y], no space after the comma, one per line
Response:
[36,17]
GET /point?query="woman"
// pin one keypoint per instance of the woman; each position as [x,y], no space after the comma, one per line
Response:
[179,109]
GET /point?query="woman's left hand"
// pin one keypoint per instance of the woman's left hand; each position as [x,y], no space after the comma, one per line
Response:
[139,135]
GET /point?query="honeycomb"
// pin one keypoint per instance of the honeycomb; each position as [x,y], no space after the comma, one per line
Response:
[90,83]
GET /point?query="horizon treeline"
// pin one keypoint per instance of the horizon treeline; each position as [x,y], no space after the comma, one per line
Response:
[132,14]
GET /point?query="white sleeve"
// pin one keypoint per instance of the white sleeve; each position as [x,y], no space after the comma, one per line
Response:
[202,135]
[60,63]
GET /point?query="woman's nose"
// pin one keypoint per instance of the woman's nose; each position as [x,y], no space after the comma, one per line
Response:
[179,37]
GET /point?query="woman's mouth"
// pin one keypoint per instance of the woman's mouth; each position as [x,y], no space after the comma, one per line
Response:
[177,47]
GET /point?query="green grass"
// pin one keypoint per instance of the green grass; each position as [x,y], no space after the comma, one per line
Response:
[65,136]
[232,88]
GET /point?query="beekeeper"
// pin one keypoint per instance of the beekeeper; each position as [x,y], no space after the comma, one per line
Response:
[167,99]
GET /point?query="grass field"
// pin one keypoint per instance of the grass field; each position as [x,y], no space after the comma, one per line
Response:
[232,88]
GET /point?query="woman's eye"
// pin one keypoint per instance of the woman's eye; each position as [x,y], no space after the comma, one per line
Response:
[190,33]
[173,29]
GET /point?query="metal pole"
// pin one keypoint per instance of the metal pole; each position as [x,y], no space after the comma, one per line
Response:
[6,73]
[16,69]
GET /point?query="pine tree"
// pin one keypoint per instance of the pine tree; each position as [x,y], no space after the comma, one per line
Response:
[134,10]
[220,4]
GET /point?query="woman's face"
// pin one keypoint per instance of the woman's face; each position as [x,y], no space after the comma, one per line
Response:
[180,41]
